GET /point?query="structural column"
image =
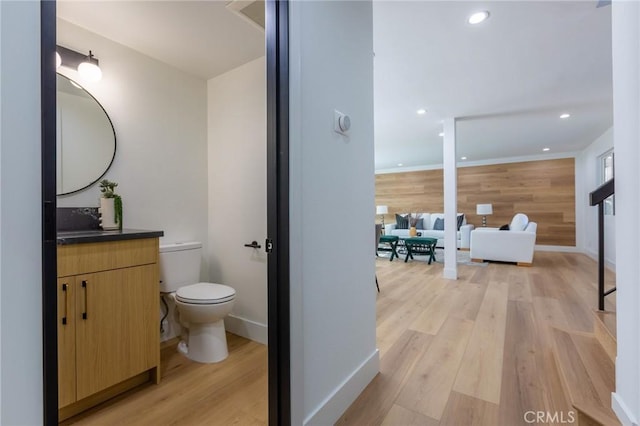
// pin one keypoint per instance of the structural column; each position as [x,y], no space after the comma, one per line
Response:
[450,200]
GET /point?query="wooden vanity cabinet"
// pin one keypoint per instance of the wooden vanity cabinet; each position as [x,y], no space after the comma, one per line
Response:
[108,325]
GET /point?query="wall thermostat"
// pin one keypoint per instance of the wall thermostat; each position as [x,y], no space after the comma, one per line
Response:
[341,122]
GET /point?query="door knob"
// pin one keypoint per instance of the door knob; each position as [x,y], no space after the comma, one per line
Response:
[254,244]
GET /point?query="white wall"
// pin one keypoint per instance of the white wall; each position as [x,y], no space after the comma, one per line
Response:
[333,353]
[588,179]
[20,215]
[626,118]
[238,193]
[159,115]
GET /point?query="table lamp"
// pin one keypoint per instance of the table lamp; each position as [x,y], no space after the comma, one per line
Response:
[484,210]
[382,210]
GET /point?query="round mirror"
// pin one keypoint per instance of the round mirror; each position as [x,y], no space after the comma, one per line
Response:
[86,142]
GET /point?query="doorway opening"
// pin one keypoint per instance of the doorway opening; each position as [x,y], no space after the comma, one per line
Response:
[173,125]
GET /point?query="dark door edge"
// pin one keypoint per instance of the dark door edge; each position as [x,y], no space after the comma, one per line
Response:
[277,48]
[48,170]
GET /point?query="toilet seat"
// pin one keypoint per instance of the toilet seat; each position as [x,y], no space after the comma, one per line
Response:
[205,294]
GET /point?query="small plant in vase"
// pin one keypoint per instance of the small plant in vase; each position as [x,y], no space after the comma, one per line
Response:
[413,221]
[110,206]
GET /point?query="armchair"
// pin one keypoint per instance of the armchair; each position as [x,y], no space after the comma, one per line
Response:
[515,245]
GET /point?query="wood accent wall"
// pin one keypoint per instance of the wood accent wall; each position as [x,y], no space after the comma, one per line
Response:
[543,190]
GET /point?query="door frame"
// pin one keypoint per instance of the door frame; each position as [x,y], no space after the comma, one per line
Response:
[277,59]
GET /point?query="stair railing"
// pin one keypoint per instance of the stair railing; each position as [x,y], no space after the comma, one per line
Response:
[597,198]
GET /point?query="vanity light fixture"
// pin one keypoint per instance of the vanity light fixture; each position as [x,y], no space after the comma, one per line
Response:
[87,65]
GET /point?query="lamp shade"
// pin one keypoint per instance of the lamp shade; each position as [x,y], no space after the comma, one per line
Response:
[382,209]
[484,209]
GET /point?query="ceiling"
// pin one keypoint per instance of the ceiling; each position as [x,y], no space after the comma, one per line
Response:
[507,79]
[202,38]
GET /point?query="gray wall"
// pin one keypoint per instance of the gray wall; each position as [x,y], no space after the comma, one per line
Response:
[20,213]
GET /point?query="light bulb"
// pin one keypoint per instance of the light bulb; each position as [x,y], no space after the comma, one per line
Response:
[89,70]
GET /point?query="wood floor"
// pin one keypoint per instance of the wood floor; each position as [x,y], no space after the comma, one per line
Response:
[476,351]
[233,392]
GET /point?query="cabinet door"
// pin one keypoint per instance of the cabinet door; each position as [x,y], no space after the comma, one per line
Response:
[117,332]
[66,341]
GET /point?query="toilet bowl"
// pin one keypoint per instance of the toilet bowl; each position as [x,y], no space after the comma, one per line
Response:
[201,307]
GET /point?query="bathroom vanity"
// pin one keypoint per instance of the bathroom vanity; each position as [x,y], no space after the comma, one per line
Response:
[108,325]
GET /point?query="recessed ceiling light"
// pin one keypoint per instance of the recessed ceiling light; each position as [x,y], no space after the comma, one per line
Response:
[545,149]
[463,158]
[441,134]
[478,17]
[565,115]
[421,111]
[399,164]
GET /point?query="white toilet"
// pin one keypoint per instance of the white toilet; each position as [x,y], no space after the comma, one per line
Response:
[201,306]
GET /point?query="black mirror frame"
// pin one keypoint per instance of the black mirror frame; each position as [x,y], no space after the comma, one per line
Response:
[115,138]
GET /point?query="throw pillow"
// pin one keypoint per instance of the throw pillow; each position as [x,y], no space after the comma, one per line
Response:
[420,224]
[438,225]
[519,222]
[402,222]
[460,220]
[504,227]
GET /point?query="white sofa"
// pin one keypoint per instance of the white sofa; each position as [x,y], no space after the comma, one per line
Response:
[429,219]
[515,245]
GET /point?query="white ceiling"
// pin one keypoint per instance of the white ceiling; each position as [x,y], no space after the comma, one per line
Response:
[509,77]
[202,38]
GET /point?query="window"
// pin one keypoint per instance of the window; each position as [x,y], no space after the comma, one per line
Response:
[606,166]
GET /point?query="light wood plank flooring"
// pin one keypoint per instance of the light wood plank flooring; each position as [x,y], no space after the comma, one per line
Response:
[233,392]
[479,350]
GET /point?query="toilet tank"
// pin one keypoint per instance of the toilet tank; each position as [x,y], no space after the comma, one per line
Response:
[179,265]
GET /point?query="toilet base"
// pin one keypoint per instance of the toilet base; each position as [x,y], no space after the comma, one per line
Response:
[207,343]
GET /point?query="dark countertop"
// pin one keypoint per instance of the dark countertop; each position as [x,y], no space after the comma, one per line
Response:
[96,236]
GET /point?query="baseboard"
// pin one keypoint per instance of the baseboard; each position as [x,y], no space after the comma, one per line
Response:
[246,328]
[563,249]
[343,396]
[622,411]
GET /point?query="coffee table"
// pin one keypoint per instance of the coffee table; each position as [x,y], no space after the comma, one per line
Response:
[392,240]
[420,246]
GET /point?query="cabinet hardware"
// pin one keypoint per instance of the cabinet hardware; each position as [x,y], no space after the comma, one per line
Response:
[84,286]
[66,301]
[254,244]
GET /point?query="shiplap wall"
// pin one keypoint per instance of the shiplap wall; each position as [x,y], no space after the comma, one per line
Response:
[543,190]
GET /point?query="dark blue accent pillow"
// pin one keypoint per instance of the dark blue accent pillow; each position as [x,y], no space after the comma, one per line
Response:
[504,227]
[402,222]
[460,219]
[438,225]
[420,224]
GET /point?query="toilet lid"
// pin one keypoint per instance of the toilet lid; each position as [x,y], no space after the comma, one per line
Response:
[205,293]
